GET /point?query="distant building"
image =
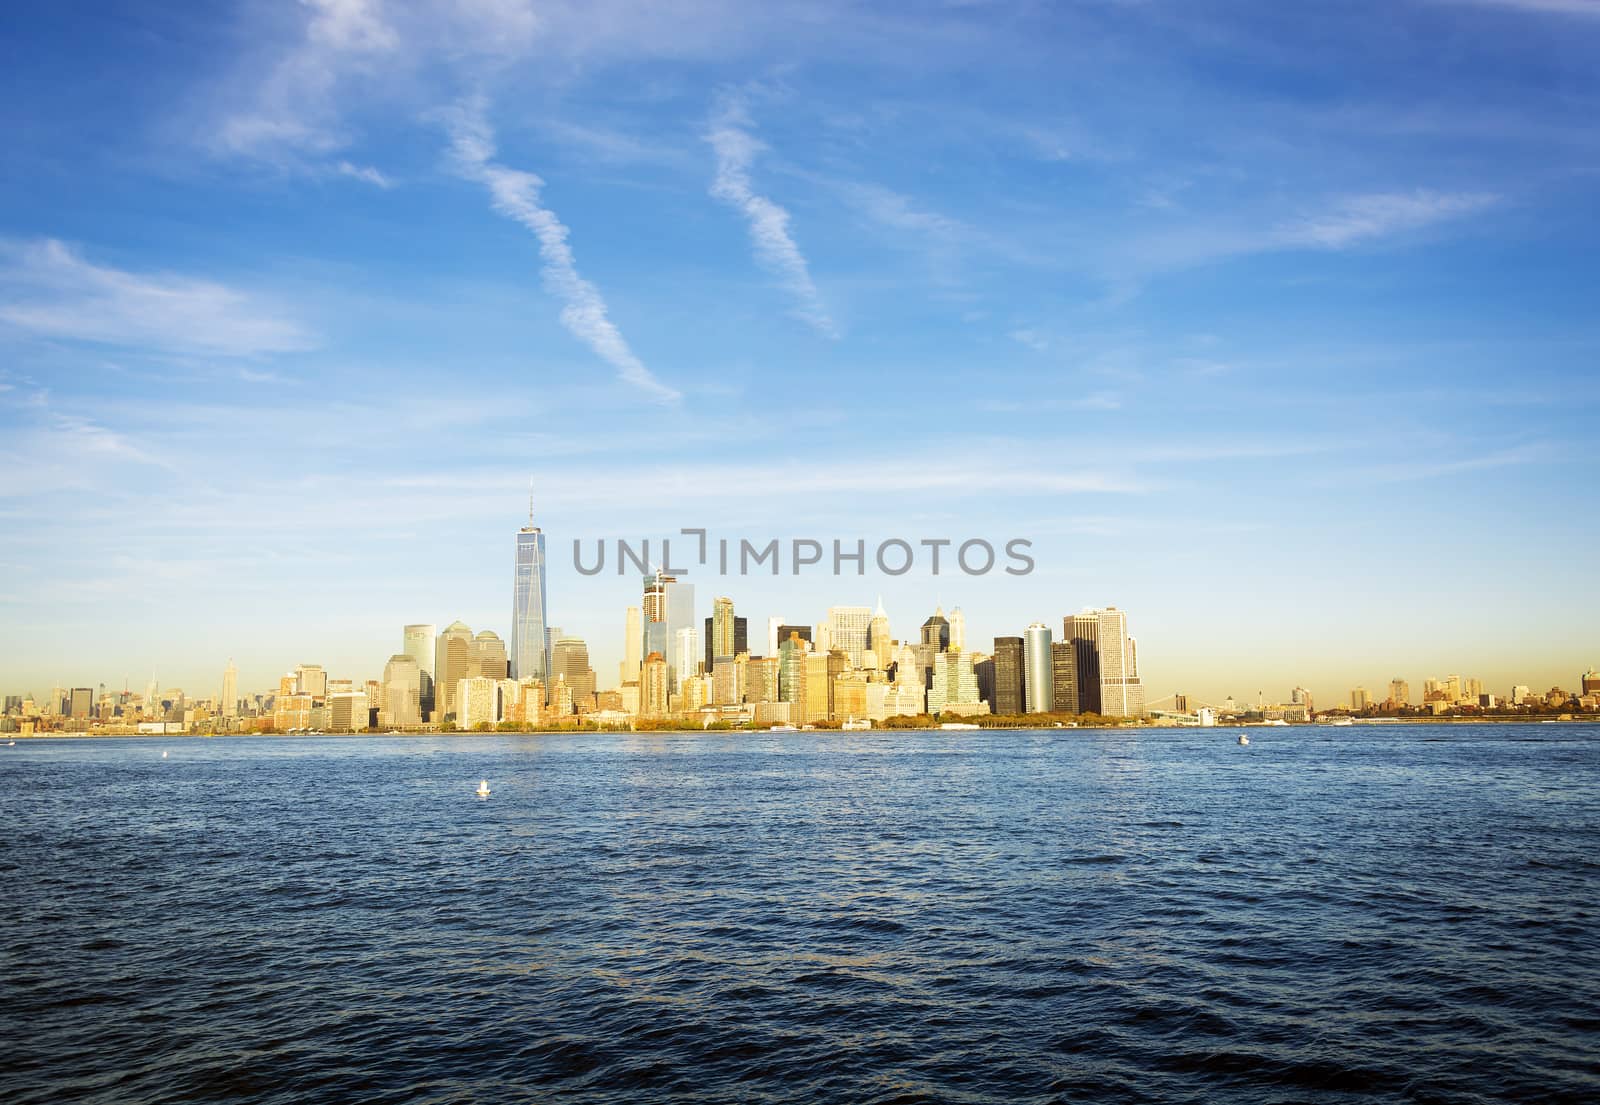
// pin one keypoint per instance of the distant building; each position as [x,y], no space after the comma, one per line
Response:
[653,695]
[569,661]
[1064,677]
[879,640]
[230,691]
[1038,678]
[1360,700]
[489,656]
[726,634]
[849,631]
[1591,682]
[402,692]
[1083,630]
[1399,693]
[418,644]
[311,679]
[1008,675]
[530,611]
[632,643]
[958,628]
[454,660]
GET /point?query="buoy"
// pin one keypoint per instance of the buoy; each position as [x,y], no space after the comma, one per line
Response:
[483,789]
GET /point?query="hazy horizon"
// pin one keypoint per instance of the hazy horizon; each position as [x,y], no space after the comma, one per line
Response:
[1274,326]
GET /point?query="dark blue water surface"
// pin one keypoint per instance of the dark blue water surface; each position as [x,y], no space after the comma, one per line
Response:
[1400,913]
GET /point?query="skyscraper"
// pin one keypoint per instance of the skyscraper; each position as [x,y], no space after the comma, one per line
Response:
[1064,672]
[726,635]
[230,691]
[569,661]
[632,640]
[1008,675]
[668,611]
[1038,681]
[847,631]
[878,637]
[453,662]
[1121,694]
[402,691]
[653,686]
[419,646]
[489,655]
[530,611]
[1083,630]
[773,639]
[1399,692]
[958,628]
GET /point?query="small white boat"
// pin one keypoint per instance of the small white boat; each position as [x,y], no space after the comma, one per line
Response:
[1342,721]
[783,729]
[163,755]
[960,725]
[483,789]
[1243,739]
[857,723]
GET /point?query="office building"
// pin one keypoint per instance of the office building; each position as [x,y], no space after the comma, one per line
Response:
[1083,631]
[1064,679]
[418,644]
[530,611]
[455,659]
[1008,676]
[230,691]
[878,638]
[632,645]
[653,695]
[569,663]
[848,631]
[958,629]
[401,696]
[489,655]
[1038,679]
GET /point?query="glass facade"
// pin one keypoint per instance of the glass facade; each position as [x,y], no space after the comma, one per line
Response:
[530,621]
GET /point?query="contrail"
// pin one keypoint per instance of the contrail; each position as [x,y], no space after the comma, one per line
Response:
[736,148]
[515,194]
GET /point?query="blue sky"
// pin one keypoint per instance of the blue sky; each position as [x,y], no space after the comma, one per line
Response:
[1273,324]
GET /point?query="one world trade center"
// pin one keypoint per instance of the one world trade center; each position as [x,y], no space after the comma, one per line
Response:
[530,620]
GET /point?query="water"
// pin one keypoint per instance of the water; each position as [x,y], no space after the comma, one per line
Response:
[1326,915]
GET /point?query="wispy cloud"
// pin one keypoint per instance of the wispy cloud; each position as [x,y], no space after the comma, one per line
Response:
[52,291]
[1590,8]
[365,173]
[736,147]
[292,110]
[515,194]
[1357,219]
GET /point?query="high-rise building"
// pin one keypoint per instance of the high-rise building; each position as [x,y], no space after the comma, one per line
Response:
[653,696]
[1064,677]
[955,685]
[668,610]
[1121,693]
[230,691]
[878,637]
[632,645]
[792,652]
[958,629]
[773,638]
[1008,675]
[569,661]
[848,631]
[1083,630]
[312,680]
[1399,693]
[477,702]
[455,659]
[1590,682]
[401,697]
[81,703]
[489,655]
[786,631]
[530,610]
[418,644]
[726,635]
[1038,680]
[1360,699]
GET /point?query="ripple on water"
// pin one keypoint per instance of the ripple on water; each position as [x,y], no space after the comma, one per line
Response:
[1401,914]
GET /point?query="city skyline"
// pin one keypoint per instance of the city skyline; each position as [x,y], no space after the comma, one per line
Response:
[1277,331]
[1091,667]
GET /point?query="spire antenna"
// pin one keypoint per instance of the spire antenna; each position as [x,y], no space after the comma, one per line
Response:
[530,502]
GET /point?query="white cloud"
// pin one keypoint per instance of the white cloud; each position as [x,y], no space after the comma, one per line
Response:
[364,173]
[291,109]
[515,194]
[736,148]
[1589,8]
[1357,219]
[52,291]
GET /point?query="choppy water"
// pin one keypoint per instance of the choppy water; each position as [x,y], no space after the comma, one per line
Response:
[1327,915]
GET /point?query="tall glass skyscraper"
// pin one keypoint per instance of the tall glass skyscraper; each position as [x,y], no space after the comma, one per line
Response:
[530,611]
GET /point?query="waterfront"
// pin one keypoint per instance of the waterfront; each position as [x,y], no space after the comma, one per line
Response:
[1157,915]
